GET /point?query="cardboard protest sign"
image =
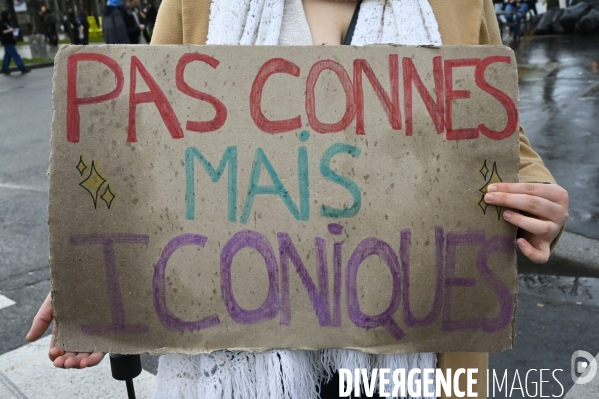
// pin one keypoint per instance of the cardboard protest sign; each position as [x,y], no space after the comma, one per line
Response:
[215,197]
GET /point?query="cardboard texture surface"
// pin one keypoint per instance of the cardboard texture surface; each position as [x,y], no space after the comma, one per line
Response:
[204,198]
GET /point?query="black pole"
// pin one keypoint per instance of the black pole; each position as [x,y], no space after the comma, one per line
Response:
[130,389]
[125,368]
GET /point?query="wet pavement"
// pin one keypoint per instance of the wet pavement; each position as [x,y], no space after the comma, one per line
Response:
[556,316]
[559,108]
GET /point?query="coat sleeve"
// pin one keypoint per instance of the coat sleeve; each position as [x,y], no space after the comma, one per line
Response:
[169,23]
[182,22]
[489,28]
[532,169]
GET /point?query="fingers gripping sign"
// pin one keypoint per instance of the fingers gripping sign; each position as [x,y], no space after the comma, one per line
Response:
[61,359]
[541,213]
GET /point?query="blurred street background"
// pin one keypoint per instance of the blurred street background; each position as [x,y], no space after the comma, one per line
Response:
[558,310]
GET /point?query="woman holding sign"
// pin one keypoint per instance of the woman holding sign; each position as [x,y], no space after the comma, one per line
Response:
[537,205]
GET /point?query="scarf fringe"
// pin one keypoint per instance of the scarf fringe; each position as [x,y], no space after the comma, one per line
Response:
[274,374]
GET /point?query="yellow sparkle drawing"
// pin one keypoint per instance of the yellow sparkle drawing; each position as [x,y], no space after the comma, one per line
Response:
[93,183]
[493,178]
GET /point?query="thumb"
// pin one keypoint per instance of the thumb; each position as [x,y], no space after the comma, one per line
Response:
[41,321]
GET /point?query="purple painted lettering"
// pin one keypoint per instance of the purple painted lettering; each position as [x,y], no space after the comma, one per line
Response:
[318,296]
[506,245]
[455,240]
[166,316]
[117,309]
[335,228]
[254,240]
[374,246]
[337,265]
[410,319]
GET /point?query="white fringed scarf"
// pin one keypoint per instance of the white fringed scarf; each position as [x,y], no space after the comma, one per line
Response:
[273,374]
[291,374]
[258,22]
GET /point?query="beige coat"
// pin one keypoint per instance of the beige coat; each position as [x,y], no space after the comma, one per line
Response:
[460,22]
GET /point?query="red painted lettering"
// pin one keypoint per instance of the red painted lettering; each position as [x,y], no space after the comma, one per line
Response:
[503,98]
[221,111]
[73,102]
[350,109]
[270,67]
[450,95]
[435,109]
[390,105]
[154,95]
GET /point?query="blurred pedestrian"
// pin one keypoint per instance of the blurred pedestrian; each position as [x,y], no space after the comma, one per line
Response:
[49,19]
[83,28]
[516,11]
[7,38]
[133,21]
[532,6]
[42,24]
[71,26]
[499,5]
[113,23]
[150,13]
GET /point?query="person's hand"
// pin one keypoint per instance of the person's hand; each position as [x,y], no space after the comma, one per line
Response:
[61,359]
[544,211]
[142,27]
